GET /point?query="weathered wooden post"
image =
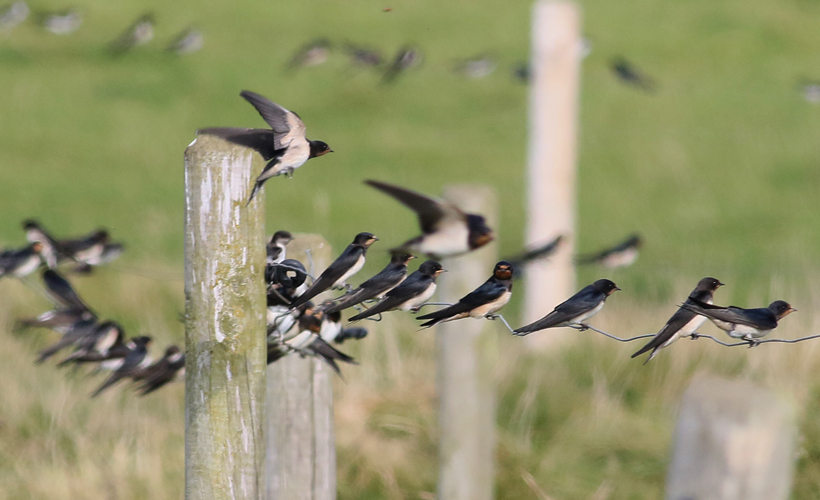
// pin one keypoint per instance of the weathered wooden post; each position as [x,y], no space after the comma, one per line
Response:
[225,323]
[467,352]
[301,463]
[554,69]
[734,441]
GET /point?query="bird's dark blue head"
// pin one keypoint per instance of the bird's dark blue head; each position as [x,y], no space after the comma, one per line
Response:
[31,224]
[605,286]
[781,308]
[171,350]
[289,274]
[365,239]
[480,233]
[141,341]
[634,241]
[281,237]
[709,284]
[503,270]
[401,258]
[319,148]
[431,268]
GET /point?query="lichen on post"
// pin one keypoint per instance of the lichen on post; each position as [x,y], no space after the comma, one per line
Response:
[224,323]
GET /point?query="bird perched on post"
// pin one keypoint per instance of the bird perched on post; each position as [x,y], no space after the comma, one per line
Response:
[345,266]
[575,310]
[621,255]
[285,146]
[684,322]
[413,292]
[746,324]
[482,302]
[387,279]
[446,230]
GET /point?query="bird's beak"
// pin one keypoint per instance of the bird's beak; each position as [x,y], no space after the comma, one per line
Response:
[617,289]
[331,151]
[721,284]
[793,310]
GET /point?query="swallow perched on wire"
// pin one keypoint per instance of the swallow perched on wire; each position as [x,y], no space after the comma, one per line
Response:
[107,341]
[276,247]
[537,253]
[21,262]
[312,53]
[51,250]
[630,75]
[446,230]
[138,33]
[387,279]
[746,324]
[284,146]
[345,266]
[167,369]
[482,302]
[73,334]
[575,310]
[684,322]
[62,292]
[136,360]
[621,255]
[69,308]
[413,292]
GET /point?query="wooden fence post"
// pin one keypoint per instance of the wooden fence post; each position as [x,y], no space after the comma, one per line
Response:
[554,69]
[734,441]
[466,354]
[225,323]
[301,463]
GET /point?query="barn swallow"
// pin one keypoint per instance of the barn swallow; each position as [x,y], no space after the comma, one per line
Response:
[109,252]
[405,58]
[140,32]
[286,281]
[345,266]
[276,247]
[309,340]
[684,322]
[361,56]
[51,251]
[810,91]
[575,310]
[446,230]
[13,14]
[169,368]
[537,253]
[413,292]
[75,333]
[387,279]
[476,67]
[62,293]
[85,247]
[22,262]
[137,359]
[62,23]
[285,146]
[621,255]
[482,302]
[106,342]
[356,333]
[746,324]
[188,41]
[312,53]
[630,75]
[58,319]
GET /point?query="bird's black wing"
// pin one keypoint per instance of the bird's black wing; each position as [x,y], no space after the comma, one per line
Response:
[258,139]
[762,318]
[286,124]
[411,287]
[580,303]
[62,292]
[678,320]
[330,354]
[431,212]
[336,270]
[129,364]
[487,292]
[387,278]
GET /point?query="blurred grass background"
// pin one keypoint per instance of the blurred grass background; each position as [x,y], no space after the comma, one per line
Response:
[718,170]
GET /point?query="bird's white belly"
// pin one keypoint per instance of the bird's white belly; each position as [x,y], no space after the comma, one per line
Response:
[350,272]
[491,307]
[90,255]
[330,330]
[585,316]
[448,242]
[419,299]
[27,268]
[741,331]
[297,154]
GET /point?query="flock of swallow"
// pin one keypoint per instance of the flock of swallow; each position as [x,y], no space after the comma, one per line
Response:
[296,324]
[66,22]
[93,340]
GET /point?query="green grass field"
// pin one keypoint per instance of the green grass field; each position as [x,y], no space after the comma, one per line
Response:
[718,170]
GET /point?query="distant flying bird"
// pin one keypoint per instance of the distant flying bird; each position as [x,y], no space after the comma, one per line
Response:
[387,279]
[575,310]
[630,75]
[362,56]
[623,254]
[136,360]
[480,66]
[346,265]
[684,322]
[62,23]
[746,324]
[810,91]
[482,302]
[446,230]
[285,146]
[537,253]
[405,58]
[139,33]
[13,14]
[169,368]
[187,41]
[21,262]
[312,53]
[413,292]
